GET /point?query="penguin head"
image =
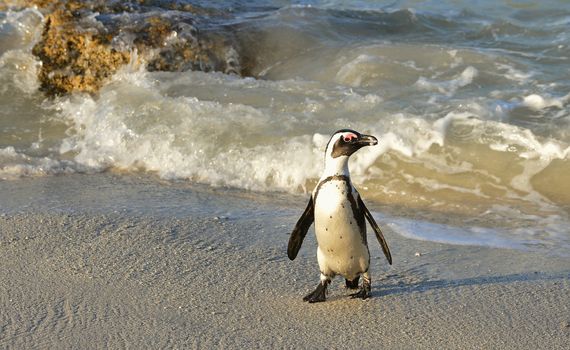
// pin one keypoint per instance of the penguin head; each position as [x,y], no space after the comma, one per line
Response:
[344,142]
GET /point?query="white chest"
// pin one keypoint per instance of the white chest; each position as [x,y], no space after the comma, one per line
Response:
[342,248]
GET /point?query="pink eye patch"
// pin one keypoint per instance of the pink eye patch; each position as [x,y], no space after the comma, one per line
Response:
[350,137]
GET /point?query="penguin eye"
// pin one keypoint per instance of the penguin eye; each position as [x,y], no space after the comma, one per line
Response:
[349,137]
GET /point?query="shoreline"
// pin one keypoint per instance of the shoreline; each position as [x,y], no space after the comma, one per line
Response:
[113,261]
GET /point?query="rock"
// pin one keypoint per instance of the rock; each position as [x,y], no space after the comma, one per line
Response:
[74,60]
[85,42]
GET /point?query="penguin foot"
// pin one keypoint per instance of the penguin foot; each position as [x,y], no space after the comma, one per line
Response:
[363,293]
[318,295]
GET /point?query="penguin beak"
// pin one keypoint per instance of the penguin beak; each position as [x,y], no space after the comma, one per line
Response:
[367,140]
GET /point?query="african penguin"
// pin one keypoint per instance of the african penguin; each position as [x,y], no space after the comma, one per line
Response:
[338,213]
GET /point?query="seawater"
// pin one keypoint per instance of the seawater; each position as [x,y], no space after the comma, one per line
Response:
[470,102]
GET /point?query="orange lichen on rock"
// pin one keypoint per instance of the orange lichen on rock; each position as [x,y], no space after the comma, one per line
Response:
[74,60]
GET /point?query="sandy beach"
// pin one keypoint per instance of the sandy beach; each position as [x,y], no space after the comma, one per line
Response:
[127,262]
[156,155]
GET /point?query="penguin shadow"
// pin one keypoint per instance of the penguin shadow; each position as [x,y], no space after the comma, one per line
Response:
[397,287]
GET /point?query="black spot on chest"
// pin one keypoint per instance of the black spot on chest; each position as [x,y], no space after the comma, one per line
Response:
[343,178]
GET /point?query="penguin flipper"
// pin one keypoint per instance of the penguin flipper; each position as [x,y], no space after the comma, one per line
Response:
[377,231]
[300,230]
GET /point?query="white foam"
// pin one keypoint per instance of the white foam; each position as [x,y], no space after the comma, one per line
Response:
[526,144]
[20,29]
[448,87]
[14,164]
[537,102]
[20,70]
[514,74]
[132,126]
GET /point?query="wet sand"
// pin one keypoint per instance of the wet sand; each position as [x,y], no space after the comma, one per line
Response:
[93,261]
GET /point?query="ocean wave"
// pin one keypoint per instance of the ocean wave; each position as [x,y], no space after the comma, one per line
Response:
[143,120]
[14,165]
[463,127]
[265,147]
